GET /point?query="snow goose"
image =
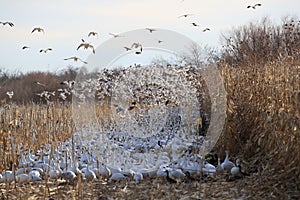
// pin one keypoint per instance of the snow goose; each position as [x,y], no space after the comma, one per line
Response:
[7,177]
[236,171]
[114,169]
[209,169]
[176,174]
[9,23]
[161,172]
[22,178]
[227,164]
[86,45]
[88,174]
[116,177]
[38,29]
[55,172]
[138,176]
[170,179]
[34,178]
[68,175]
[104,171]
[35,173]
[150,29]
[92,33]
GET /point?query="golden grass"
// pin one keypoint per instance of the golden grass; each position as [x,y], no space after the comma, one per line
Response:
[263,127]
[264,122]
[32,125]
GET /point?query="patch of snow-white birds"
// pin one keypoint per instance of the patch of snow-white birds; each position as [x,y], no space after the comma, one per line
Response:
[62,166]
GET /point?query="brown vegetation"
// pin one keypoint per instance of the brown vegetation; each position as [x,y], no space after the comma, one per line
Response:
[260,66]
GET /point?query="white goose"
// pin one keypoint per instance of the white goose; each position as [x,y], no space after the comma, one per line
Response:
[236,170]
[22,178]
[209,169]
[68,175]
[227,164]
[34,178]
[138,176]
[7,176]
[116,177]
[55,171]
[88,174]
[176,174]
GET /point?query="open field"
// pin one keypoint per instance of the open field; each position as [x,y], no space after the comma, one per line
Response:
[262,128]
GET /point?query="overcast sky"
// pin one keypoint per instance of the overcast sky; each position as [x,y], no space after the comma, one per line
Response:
[66,22]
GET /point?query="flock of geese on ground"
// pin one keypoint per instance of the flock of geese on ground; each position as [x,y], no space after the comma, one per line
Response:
[66,166]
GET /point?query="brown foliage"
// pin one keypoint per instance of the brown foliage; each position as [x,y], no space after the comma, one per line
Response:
[26,89]
[262,42]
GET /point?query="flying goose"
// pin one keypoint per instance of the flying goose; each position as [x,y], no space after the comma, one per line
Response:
[137,45]
[75,59]
[115,35]
[194,24]
[45,50]
[150,29]
[25,47]
[258,4]
[127,48]
[92,33]
[9,23]
[185,15]
[86,45]
[38,29]
[206,29]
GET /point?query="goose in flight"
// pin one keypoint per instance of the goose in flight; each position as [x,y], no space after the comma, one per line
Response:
[92,33]
[206,29]
[38,29]
[115,35]
[137,45]
[86,45]
[127,48]
[25,47]
[45,50]
[185,15]
[254,7]
[9,23]
[75,59]
[194,24]
[150,29]
[159,41]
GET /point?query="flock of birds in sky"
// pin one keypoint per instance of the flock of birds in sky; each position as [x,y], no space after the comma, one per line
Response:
[137,47]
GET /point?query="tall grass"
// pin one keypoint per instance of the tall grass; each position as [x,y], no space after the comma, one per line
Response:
[30,126]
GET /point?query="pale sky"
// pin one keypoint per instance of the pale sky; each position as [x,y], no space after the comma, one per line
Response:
[66,22]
